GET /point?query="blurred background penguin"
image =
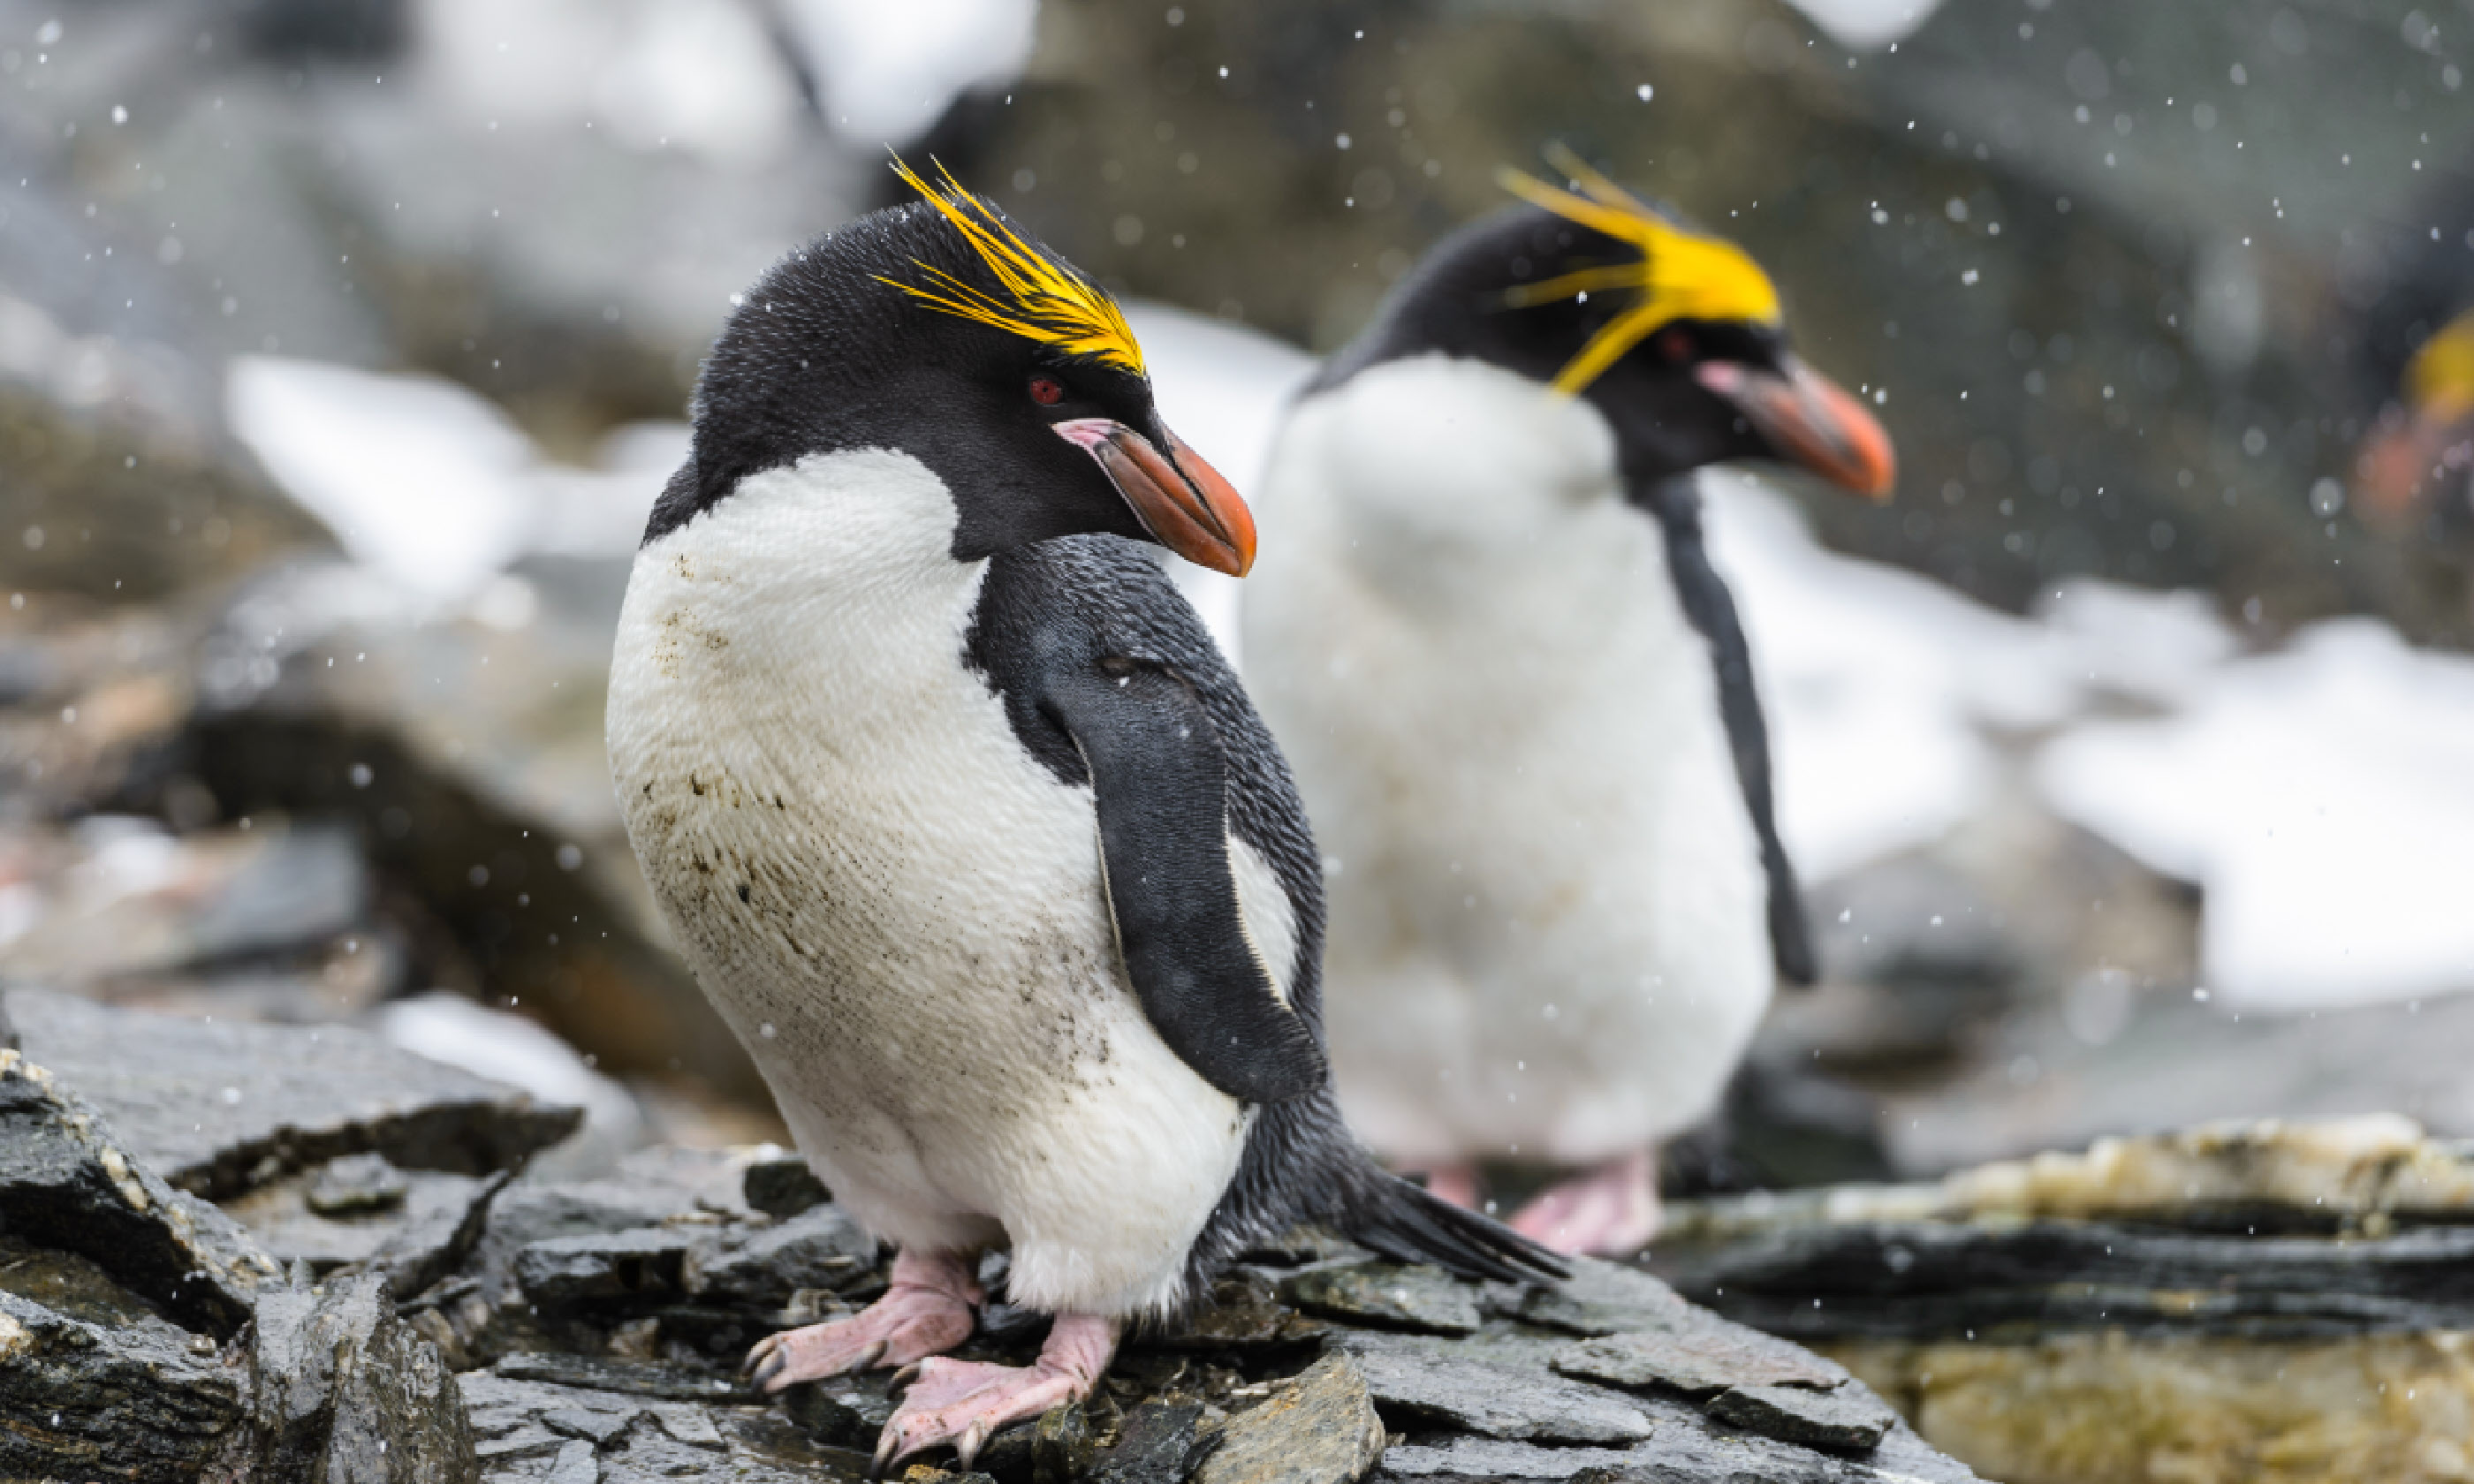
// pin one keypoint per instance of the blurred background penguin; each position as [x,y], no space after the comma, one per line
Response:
[1519,699]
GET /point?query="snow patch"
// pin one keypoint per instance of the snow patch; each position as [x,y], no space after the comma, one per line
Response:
[1864,24]
[1877,684]
[885,75]
[430,483]
[417,476]
[2320,798]
[508,1048]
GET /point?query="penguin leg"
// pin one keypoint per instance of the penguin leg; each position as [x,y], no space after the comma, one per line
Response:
[966,1402]
[1610,1211]
[928,1307]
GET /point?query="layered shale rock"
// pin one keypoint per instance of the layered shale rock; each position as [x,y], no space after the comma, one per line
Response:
[2244,1302]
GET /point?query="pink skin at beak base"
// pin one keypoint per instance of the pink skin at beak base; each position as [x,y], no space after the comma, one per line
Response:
[1810,421]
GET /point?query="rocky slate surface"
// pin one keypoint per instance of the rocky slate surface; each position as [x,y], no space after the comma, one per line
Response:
[488,1328]
[220,1108]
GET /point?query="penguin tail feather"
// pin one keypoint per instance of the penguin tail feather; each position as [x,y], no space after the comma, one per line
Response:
[1404,1222]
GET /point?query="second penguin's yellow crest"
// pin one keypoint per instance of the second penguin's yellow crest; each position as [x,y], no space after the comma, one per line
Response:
[1681,275]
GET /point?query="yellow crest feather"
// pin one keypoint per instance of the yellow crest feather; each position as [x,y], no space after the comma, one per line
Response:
[1044,299]
[2439,379]
[1681,275]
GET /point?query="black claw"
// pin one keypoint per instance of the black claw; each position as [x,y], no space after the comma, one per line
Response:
[884,1445]
[770,1367]
[903,1379]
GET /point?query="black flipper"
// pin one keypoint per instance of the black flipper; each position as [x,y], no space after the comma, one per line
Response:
[1159,777]
[1059,625]
[1676,503]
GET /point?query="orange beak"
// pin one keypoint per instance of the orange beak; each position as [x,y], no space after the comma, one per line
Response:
[1180,500]
[2407,457]
[1810,421]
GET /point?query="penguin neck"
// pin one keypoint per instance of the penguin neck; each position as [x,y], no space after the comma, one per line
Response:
[831,575]
[875,520]
[1471,494]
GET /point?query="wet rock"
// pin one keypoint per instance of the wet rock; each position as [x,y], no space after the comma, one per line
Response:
[120,465]
[528,1213]
[70,1182]
[842,1411]
[1687,1449]
[521,1440]
[357,1184]
[783,1185]
[516,1419]
[1428,1381]
[1394,1296]
[2106,1055]
[1006,1458]
[1061,1447]
[1603,1298]
[594,1427]
[347,1391]
[327,707]
[1915,924]
[1933,1280]
[629,1377]
[2111,1314]
[1241,1315]
[1492,1458]
[573,1465]
[1847,1418]
[821,1248]
[2287,1174]
[2188,1232]
[221,1107]
[1700,1360]
[495,1316]
[691,1426]
[434,1223]
[96,1378]
[199,904]
[2121,1405]
[712,1181]
[564,1272]
[1318,1427]
[1160,1444]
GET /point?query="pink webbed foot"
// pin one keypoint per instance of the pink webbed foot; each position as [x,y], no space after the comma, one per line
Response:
[926,1309]
[1453,1182]
[1610,1211]
[966,1402]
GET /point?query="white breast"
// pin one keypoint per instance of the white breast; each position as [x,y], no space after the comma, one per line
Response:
[897,908]
[1547,927]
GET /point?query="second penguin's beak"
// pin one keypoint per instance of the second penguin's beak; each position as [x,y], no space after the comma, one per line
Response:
[1180,500]
[1810,419]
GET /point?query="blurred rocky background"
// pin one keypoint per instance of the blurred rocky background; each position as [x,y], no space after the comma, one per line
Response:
[345,343]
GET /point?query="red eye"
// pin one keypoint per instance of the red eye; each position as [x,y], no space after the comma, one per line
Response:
[1675,345]
[1046,391]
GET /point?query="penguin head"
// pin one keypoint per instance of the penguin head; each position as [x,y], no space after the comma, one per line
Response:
[1674,337]
[941,330]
